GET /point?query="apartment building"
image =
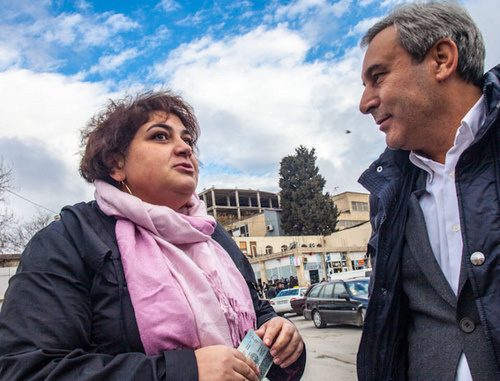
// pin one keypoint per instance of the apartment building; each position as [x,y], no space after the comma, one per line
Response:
[354,208]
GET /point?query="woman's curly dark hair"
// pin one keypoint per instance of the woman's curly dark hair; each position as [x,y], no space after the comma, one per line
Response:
[111,131]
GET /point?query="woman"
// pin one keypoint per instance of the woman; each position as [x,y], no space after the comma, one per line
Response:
[140,284]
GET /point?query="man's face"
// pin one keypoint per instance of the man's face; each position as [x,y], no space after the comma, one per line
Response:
[399,94]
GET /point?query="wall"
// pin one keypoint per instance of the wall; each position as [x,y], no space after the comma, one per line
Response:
[350,237]
[277,242]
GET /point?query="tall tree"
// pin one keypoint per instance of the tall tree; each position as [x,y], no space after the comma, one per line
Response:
[306,210]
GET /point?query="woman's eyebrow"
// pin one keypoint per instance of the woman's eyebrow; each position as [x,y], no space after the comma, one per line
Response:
[168,128]
[161,125]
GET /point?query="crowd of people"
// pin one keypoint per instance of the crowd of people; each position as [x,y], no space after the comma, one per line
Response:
[271,289]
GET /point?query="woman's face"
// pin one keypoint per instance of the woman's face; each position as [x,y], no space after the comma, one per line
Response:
[159,166]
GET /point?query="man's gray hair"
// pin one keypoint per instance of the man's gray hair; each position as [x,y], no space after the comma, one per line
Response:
[421,25]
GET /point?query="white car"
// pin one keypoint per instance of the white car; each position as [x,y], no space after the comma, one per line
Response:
[281,303]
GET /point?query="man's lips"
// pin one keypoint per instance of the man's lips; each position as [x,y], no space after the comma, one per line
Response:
[381,120]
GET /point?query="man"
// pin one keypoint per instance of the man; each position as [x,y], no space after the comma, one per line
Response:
[271,292]
[434,311]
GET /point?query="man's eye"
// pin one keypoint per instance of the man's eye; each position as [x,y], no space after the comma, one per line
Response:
[377,77]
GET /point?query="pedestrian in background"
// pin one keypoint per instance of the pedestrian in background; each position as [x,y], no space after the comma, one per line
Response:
[434,309]
[271,292]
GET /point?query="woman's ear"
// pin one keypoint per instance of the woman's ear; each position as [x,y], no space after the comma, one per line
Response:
[444,54]
[116,164]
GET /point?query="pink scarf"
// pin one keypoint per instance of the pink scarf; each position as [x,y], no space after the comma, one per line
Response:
[185,288]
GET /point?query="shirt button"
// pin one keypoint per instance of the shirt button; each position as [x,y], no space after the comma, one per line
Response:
[477,258]
[467,325]
[452,174]
[456,228]
[380,169]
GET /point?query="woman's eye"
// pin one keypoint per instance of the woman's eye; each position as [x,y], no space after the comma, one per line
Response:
[189,141]
[160,136]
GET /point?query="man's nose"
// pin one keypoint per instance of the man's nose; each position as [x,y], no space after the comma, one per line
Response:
[369,101]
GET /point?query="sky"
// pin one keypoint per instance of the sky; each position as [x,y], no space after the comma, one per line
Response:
[263,77]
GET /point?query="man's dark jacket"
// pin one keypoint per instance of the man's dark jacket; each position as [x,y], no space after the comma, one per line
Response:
[67,313]
[391,179]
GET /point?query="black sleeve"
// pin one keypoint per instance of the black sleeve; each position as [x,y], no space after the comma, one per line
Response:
[46,321]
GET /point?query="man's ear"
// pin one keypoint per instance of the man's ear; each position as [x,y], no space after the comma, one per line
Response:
[116,163]
[444,56]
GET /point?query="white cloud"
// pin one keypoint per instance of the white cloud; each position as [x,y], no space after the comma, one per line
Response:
[169,5]
[257,99]
[42,115]
[301,9]
[8,56]
[362,27]
[101,29]
[365,3]
[110,63]
[36,41]
[63,29]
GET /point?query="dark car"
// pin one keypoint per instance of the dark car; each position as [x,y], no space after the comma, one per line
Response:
[337,302]
[298,304]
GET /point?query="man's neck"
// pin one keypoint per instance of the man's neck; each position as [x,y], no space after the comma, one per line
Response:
[459,99]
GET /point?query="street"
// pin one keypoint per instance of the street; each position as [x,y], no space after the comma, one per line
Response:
[331,351]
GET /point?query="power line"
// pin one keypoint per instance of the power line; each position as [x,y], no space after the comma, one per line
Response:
[32,202]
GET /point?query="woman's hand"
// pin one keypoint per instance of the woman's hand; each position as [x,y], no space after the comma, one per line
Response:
[221,363]
[287,344]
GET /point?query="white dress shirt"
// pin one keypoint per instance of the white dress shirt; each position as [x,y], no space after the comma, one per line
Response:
[440,207]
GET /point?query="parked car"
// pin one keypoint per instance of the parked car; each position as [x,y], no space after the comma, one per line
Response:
[338,302]
[298,304]
[281,303]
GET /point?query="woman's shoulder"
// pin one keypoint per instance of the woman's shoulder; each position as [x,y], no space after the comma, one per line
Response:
[82,232]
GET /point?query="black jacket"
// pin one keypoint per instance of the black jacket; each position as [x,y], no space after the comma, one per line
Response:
[391,179]
[67,314]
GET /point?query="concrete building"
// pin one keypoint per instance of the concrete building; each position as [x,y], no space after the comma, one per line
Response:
[354,208]
[265,224]
[308,258]
[236,204]
[253,219]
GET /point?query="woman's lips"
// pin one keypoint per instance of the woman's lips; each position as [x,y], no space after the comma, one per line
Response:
[187,167]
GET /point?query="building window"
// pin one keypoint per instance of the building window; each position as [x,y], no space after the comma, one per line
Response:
[253,248]
[241,231]
[284,248]
[359,206]
[243,247]
[269,249]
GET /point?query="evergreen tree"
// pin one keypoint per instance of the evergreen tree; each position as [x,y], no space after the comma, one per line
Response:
[306,210]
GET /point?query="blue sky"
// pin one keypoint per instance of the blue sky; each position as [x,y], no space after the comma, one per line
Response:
[262,76]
